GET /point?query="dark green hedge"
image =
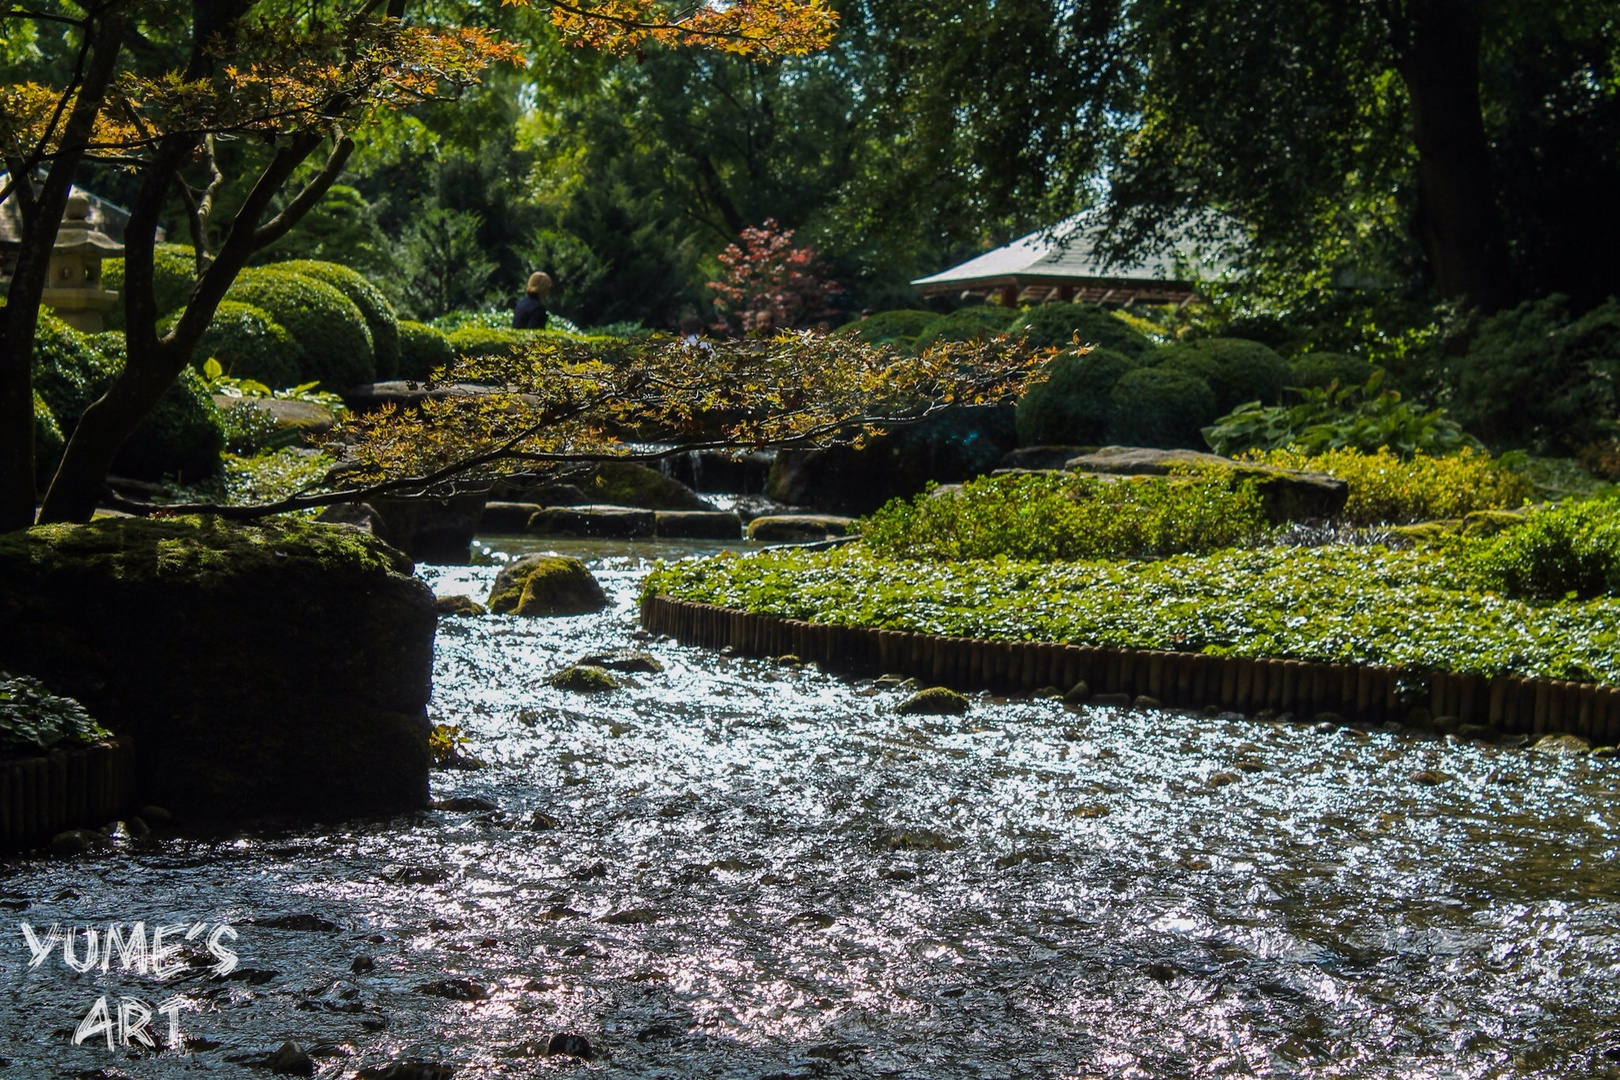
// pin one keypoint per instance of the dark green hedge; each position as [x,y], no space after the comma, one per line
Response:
[898,328]
[1161,406]
[379,313]
[421,350]
[249,344]
[1235,369]
[48,439]
[174,273]
[1317,371]
[1055,325]
[968,324]
[1073,407]
[333,340]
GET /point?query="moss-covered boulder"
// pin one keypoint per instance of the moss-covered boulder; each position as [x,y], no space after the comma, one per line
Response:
[546,585]
[584,679]
[281,667]
[934,701]
[1286,494]
[624,483]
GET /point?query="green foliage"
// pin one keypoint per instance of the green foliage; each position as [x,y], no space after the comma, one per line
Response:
[374,306]
[898,328]
[1056,325]
[1366,418]
[1237,370]
[174,273]
[1534,377]
[1320,370]
[1569,551]
[33,720]
[183,435]
[422,350]
[1385,490]
[249,344]
[333,341]
[1073,407]
[48,440]
[482,342]
[1160,406]
[973,323]
[1419,608]
[1068,516]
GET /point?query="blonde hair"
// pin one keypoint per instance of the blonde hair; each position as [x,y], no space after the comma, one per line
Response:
[539,284]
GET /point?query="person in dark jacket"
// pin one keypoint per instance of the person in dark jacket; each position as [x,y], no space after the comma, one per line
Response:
[530,313]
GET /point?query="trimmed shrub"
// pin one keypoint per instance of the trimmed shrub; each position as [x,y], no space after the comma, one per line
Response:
[1573,548]
[174,273]
[1236,370]
[249,344]
[1072,407]
[1160,407]
[898,328]
[1384,490]
[378,312]
[1055,325]
[968,324]
[421,350]
[1069,516]
[48,440]
[333,342]
[182,436]
[1317,371]
[481,341]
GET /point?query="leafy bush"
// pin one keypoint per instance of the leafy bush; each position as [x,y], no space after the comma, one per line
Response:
[898,328]
[1317,371]
[1237,370]
[1384,490]
[974,323]
[1160,407]
[1068,516]
[422,349]
[48,439]
[1535,378]
[373,305]
[333,342]
[484,342]
[1366,418]
[1569,550]
[249,344]
[174,273]
[33,720]
[1072,407]
[1055,326]
[183,435]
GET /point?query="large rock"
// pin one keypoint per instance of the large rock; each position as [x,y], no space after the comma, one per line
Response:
[281,667]
[408,394]
[601,522]
[797,528]
[954,445]
[1288,494]
[612,483]
[433,529]
[546,585]
[299,418]
[1041,458]
[506,518]
[699,525]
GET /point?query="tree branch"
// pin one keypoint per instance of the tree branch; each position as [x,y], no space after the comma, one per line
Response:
[278,226]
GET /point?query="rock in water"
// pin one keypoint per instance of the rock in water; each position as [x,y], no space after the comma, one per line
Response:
[934,701]
[290,1060]
[571,1046]
[628,660]
[459,605]
[583,679]
[546,585]
[1562,744]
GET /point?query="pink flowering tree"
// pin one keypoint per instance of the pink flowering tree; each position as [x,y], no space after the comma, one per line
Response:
[770,284]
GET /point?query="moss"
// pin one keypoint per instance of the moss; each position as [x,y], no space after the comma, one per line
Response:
[624,483]
[335,347]
[1491,522]
[373,305]
[546,585]
[422,350]
[934,701]
[459,605]
[584,679]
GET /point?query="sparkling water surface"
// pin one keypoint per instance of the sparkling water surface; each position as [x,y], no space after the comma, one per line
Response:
[738,869]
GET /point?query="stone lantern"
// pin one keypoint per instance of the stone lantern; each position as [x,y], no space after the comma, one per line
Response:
[74,286]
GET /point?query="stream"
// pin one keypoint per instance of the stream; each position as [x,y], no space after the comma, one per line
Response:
[738,869]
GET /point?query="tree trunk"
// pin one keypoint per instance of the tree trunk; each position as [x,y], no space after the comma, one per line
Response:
[1458,221]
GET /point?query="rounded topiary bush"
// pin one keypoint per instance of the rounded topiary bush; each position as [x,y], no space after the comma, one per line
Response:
[1055,326]
[249,344]
[1161,407]
[174,274]
[479,341]
[1316,371]
[1235,369]
[422,349]
[974,323]
[1073,406]
[898,328]
[182,436]
[48,439]
[333,342]
[69,373]
[378,312]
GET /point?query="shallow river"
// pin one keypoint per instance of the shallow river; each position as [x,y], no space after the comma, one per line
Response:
[745,870]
